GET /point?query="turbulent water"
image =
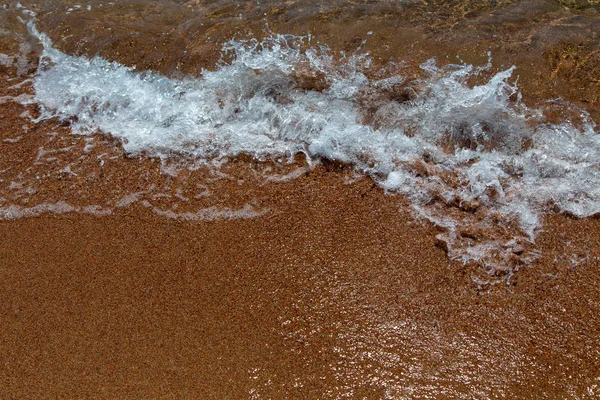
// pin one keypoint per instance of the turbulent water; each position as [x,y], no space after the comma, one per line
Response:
[300,199]
[458,142]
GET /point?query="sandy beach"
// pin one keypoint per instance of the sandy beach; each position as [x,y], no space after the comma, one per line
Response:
[124,276]
[332,295]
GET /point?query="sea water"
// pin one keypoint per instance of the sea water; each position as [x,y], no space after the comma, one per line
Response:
[460,144]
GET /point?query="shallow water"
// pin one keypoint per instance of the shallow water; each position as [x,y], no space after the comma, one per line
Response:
[457,141]
[477,117]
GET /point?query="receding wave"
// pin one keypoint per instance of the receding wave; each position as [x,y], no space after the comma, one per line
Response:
[471,158]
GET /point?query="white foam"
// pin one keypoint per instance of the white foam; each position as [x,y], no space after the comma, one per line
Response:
[96,210]
[21,61]
[248,211]
[502,159]
[6,60]
[208,214]
[296,173]
[128,199]
[22,99]
[14,212]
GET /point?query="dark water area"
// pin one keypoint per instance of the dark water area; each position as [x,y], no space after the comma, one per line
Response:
[554,44]
[454,255]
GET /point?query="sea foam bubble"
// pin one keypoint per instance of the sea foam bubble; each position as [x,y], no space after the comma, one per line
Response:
[471,158]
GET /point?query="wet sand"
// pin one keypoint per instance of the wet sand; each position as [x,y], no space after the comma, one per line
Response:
[335,294]
[336,291]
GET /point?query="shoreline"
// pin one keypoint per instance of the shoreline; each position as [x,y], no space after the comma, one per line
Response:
[283,280]
[314,299]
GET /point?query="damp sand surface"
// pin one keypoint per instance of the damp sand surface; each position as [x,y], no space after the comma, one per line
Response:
[125,275]
[336,295]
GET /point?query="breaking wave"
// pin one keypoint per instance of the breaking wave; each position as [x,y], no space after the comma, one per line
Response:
[470,157]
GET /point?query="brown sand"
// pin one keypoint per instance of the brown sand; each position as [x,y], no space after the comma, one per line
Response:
[336,291]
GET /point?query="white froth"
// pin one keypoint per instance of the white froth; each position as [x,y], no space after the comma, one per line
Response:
[502,158]
[22,99]
[14,212]
[6,60]
[19,61]
[13,140]
[296,173]
[209,213]
[96,210]
[128,199]
[61,207]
